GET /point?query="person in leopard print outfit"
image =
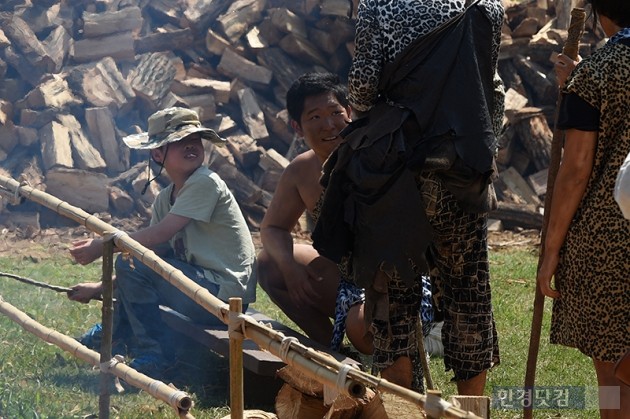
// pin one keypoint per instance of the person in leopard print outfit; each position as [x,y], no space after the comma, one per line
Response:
[586,252]
[452,175]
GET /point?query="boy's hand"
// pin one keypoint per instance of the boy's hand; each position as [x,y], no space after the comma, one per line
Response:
[86,251]
[85,292]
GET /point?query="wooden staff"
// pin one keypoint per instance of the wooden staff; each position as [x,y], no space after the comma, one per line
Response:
[570,49]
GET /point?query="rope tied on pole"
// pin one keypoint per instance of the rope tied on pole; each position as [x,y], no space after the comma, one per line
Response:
[235,325]
[107,366]
[285,346]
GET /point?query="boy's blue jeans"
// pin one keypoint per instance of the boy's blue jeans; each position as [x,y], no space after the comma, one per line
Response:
[140,291]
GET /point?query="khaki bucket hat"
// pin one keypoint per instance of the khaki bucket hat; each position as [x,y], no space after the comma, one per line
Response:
[168,126]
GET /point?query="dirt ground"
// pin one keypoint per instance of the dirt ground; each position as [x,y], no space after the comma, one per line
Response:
[45,243]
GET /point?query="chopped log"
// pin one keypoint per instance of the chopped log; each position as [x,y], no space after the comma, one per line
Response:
[517,215]
[239,16]
[86,156]
[272,164]
[288,22]
[291,403]
[103,85]
[527,28]
[535,136]
[215,43]
[198,15]
[152,77]
[119,46]
[255,40]
[8,138]
[538,182]
[204,105]
[81,188]
[26,136]
[58,44]
[519,186]
[24,39]
[52,93]
[236,66]
[514,101]
[244,149]
[122,203]
[37,119]
[220,89]
[341,8]
[253,117]
[302,49]
[396,407]
[284,69]
[479,405]
[245,190]
[102,128]
[165,41]
[543,89]
[99,24]
[6,111]
[55,146]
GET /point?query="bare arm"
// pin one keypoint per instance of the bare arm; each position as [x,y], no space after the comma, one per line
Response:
[283,213]
[571,181]
[87,251]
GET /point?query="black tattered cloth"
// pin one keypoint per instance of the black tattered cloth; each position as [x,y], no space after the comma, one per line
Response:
[436,101]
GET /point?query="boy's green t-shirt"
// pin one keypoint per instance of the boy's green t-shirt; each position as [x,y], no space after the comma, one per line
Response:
[216,238]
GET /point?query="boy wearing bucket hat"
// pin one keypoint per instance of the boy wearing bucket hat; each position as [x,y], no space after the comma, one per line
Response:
[196,226]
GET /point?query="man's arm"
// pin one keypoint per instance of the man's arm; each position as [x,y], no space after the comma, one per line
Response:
[281,217]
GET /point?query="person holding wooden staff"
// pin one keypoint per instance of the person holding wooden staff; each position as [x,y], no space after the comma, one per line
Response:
[409,190]
[586,254]
[196,226]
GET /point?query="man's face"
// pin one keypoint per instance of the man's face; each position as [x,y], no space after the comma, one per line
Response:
[322,120]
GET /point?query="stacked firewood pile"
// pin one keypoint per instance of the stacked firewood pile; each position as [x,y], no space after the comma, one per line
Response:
[78,75]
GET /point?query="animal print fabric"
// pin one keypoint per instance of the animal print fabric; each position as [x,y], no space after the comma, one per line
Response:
[593,275]
[386,27]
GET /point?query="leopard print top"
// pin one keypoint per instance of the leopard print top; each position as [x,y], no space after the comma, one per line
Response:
[593,314]
[385,28]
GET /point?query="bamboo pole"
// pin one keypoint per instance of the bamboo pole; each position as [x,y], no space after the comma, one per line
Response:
[237,397]
[177,399]
[305,359]
[570,49]
[107,315]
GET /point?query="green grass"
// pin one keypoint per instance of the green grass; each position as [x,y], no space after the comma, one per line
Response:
[38,380]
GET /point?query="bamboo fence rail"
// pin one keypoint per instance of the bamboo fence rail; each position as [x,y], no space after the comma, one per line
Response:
[313,363]
[179,400]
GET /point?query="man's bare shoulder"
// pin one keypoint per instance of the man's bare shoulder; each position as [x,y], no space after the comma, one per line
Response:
[305,164]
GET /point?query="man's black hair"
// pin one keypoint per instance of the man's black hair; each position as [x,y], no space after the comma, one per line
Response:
[311,84]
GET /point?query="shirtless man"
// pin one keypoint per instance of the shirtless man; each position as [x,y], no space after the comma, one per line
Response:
[296,278]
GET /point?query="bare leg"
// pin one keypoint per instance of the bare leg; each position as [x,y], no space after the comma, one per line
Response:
[473,386]
[313,319]
[400,372]
[606,378]
[357,330]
